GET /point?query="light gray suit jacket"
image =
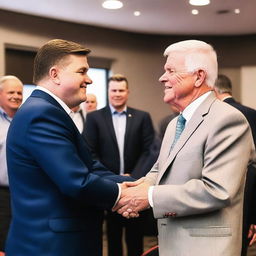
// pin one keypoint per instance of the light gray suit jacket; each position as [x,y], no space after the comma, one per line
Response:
[201,181]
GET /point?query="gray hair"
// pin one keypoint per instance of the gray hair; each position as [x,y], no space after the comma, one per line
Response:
[223,84]
[198,55]
[3,79]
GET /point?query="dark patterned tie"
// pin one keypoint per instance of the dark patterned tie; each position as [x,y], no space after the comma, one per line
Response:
[179,129]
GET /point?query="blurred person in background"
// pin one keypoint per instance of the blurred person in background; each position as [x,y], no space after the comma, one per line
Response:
[11,95]
[223,90]
[121,137]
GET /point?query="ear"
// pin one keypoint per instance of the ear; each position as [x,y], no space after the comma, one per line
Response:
[200,77]
[54,74]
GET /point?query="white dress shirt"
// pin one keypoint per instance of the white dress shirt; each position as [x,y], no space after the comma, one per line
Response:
[119,123]
[78,119]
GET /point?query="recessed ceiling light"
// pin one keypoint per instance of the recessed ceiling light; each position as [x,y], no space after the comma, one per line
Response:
[112,4]
[199,2]
[137,13]
[194,12]
[237,11]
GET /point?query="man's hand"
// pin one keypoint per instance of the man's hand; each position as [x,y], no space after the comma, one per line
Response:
[133,199]
[134,183]
[252,234]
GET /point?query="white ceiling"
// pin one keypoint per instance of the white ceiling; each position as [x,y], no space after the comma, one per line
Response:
[157,16]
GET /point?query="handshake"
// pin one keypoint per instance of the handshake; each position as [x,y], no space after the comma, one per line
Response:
[133,199]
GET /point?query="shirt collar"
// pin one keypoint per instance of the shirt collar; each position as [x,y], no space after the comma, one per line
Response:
[4,114]
[61,102]
[191,108]
[113,110]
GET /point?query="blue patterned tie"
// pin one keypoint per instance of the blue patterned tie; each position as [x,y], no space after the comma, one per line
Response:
[179,129]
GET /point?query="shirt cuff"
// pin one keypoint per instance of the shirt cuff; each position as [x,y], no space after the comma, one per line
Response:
[119,194]
[150,196]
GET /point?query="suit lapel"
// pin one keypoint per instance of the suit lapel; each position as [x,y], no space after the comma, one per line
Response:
[129,121]
[195,121]
[109,122]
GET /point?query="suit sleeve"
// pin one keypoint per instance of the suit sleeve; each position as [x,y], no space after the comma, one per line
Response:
[51,143]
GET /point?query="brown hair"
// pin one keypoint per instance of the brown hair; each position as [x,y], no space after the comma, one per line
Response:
[118,78]
[51,53]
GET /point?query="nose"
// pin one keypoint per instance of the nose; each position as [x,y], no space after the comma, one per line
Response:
[162,78]
[88,80]
[117,93]
[17,96]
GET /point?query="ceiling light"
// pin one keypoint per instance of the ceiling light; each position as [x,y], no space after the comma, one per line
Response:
[194,12]
[199,2]
[237,11]
[136,13]
[112,4]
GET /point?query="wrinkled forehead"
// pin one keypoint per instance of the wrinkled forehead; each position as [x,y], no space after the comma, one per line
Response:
[175,60]
[12,85]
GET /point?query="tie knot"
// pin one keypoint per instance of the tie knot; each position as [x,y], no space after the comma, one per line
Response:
[181,119]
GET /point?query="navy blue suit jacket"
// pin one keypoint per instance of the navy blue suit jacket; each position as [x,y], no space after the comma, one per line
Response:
[249,208]
[100,135]
[57,190]
[249,113]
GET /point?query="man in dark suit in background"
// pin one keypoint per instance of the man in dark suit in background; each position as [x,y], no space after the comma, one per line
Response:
[57,190]
[223,90]
[120,137]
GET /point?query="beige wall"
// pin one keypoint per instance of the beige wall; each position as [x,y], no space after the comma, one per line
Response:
[248,87]
[235,76]
[137,56]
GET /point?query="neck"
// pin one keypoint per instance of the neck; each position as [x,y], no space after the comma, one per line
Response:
[196,95]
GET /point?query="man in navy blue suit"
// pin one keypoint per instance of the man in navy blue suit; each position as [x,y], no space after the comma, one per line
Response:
[57,191]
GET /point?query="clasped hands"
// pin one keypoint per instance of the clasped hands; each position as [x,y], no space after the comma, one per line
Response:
[134,198]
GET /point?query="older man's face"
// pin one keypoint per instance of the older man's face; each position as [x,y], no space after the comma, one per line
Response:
[11,95]
[178,83]
[90,103]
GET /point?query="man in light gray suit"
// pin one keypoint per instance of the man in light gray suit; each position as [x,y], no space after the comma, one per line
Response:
[196,186]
